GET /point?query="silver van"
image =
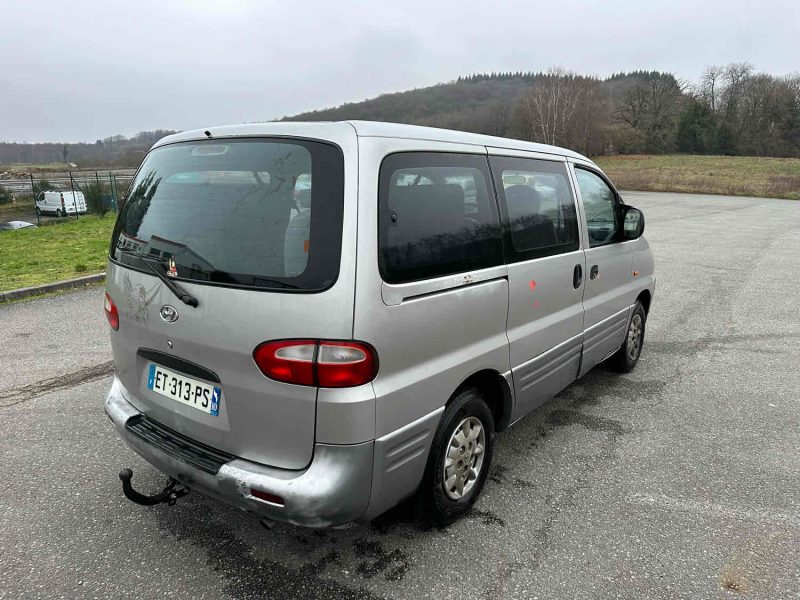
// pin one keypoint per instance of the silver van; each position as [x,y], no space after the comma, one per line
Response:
[316,321]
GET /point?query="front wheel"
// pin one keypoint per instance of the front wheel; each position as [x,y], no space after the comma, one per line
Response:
[628,355]
[459,459]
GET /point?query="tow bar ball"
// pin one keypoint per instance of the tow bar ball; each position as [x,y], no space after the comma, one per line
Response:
[168,495]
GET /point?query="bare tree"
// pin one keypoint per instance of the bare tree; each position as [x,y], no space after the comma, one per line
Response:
[633,108]
[64,152]
[550,104]
[734,77]
[590,118]
[709,89]
[652,107]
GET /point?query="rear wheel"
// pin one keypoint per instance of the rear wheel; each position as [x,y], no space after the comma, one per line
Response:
[59,213]
[628,355]
[459,459]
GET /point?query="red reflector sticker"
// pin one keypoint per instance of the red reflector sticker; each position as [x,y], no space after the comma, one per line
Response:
[267,497]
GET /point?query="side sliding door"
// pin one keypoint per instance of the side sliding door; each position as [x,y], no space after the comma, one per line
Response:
[545,275]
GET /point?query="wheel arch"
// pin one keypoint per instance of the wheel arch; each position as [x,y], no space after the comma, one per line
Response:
[496,390]
[645,297]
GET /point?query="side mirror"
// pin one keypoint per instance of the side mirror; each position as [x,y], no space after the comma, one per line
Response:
[633,223]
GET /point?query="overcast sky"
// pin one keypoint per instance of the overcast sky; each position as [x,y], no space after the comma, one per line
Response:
[81,70]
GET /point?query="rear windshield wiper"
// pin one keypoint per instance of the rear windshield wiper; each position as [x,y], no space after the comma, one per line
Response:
[173,287]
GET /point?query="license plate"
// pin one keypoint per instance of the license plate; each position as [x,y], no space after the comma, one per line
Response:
[185,390]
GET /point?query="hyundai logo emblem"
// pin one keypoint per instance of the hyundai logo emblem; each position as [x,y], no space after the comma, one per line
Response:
[169,313]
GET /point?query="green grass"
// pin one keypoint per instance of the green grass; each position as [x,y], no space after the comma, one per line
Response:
[53,252]
[12,211]
[728,175]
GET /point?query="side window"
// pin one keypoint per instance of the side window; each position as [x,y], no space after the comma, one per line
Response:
[600,207]
[538,206]
[436,216]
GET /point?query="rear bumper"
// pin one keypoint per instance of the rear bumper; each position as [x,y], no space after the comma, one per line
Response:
[334,489]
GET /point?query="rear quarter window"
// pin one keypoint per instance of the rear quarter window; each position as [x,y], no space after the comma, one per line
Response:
[437,216]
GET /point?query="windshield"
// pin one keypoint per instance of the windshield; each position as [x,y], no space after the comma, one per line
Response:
[256,213]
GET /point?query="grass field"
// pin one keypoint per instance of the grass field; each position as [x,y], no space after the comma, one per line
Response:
[728,175]
[35,167]
[53,252]
[10,210]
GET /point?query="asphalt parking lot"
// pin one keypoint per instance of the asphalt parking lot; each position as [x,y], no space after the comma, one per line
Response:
[679,480]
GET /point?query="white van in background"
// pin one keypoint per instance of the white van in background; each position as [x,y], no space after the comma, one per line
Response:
[60,203]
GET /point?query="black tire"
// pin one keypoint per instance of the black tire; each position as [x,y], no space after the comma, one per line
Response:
[625,359]
[437,504]
[59,213]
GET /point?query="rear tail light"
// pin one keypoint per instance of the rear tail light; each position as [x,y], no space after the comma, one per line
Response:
[322,363]
[344,364]
[292,362]
[112,314]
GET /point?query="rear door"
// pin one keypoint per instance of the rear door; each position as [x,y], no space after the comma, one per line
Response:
[80,201]
[545,275]
[69,201]
[222,218]
[608,264]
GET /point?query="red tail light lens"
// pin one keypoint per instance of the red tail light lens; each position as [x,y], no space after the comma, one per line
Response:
[290,361]
[345,364]
[319,363]
[112,314]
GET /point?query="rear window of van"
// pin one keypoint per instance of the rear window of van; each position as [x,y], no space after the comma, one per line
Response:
[245,213]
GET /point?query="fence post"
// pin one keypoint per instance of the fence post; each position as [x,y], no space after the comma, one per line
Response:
[116,195]
[100,193]
[113,192]
[74,199]
[33,192]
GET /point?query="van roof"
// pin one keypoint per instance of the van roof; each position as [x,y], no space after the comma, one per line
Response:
[367,129]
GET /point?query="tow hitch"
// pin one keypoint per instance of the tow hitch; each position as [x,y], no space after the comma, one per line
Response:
[169,494]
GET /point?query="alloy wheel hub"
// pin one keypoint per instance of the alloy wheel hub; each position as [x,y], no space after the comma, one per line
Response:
[634,344]
[464,459]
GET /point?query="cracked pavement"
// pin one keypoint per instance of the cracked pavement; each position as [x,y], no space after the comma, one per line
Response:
[679,480]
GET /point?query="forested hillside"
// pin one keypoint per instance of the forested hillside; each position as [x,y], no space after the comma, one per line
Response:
[732,110]
[114,151]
